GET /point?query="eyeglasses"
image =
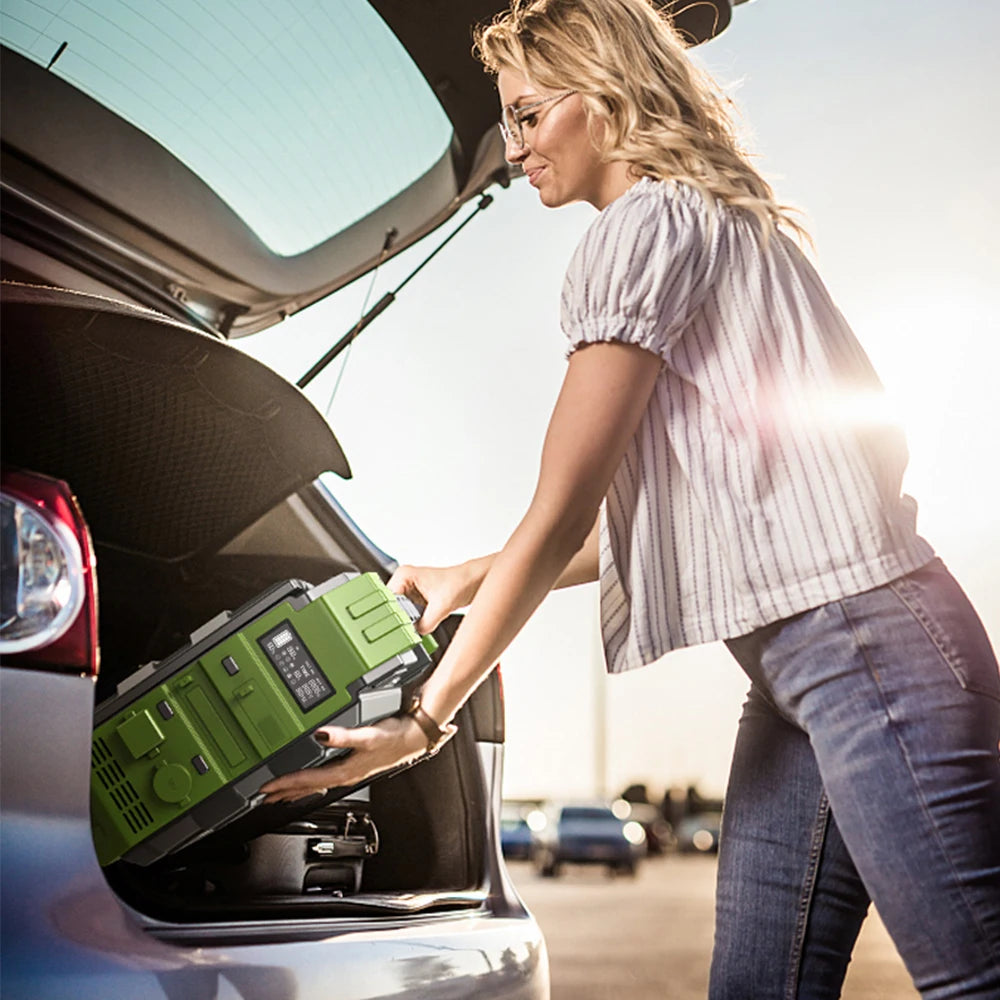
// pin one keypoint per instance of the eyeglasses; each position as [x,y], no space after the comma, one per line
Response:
[513,118]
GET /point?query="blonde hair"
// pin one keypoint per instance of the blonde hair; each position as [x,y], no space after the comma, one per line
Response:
[661,114]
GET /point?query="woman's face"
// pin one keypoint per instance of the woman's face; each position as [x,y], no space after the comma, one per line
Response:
[558,155]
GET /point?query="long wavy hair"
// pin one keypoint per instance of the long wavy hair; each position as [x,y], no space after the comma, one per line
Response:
[660,113]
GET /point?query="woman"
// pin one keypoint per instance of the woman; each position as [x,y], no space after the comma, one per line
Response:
[702,464]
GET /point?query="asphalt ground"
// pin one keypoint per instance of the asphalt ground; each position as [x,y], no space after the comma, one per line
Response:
[650,938]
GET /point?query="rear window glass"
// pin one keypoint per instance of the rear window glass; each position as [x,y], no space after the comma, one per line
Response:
[303,116]
[587,813]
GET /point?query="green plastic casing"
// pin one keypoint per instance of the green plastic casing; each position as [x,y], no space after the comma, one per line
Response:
[185,750]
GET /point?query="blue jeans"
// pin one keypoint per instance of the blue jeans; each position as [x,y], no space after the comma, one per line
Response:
[866,770]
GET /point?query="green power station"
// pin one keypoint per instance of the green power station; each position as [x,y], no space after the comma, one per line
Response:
[184,745]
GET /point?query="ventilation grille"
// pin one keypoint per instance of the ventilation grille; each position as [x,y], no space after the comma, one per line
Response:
[120,790]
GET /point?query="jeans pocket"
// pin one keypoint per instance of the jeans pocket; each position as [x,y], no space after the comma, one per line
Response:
[936,600]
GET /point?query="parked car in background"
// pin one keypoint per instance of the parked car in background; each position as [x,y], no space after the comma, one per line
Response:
[699,833]
[516,821]
[660,837]
[586,833]
[177,174]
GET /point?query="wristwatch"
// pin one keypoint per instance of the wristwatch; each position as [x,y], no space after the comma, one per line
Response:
[436,735]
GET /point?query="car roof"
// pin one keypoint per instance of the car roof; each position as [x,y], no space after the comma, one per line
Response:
[139,191]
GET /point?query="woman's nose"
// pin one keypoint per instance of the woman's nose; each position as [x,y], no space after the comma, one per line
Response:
[514,153]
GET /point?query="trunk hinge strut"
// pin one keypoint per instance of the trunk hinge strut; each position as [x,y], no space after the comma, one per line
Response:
[389,297]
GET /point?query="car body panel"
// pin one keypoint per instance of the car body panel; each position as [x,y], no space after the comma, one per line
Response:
[78,939]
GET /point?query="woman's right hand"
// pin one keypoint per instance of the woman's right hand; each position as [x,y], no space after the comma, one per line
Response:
[375,748]
[439,590]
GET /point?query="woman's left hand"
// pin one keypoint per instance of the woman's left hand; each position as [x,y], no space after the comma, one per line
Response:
[376,748]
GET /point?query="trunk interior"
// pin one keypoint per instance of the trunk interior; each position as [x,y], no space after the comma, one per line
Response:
[410,842]
[120,403]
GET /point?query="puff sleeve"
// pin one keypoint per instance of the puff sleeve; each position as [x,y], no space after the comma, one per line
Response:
[642,269]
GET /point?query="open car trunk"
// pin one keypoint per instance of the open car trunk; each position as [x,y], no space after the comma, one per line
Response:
[210,498]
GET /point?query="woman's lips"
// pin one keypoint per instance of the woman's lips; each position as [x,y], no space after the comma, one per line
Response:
[533,175]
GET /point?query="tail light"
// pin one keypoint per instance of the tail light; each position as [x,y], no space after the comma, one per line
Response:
[48,585]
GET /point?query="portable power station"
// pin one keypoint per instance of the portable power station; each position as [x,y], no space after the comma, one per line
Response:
[184,745]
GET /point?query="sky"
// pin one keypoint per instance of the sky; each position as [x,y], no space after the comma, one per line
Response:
[879,121]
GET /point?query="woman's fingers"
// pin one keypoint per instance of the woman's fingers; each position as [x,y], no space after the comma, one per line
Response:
[405,581]
[431,588]
[432,616]
[374,749]
[360,737]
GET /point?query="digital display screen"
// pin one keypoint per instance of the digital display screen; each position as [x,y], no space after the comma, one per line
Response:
[296,667]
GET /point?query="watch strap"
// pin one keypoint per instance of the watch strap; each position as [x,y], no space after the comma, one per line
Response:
[436,735]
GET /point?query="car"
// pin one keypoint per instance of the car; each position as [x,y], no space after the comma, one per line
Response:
[660,838]
[517,819]
[587,833]
[699,833]
[176,176]
[515,838]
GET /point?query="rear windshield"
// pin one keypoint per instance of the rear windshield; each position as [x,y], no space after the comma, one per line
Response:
[586,813]
[303,116]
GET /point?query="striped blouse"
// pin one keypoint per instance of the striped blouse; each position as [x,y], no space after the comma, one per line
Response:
[762,480]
